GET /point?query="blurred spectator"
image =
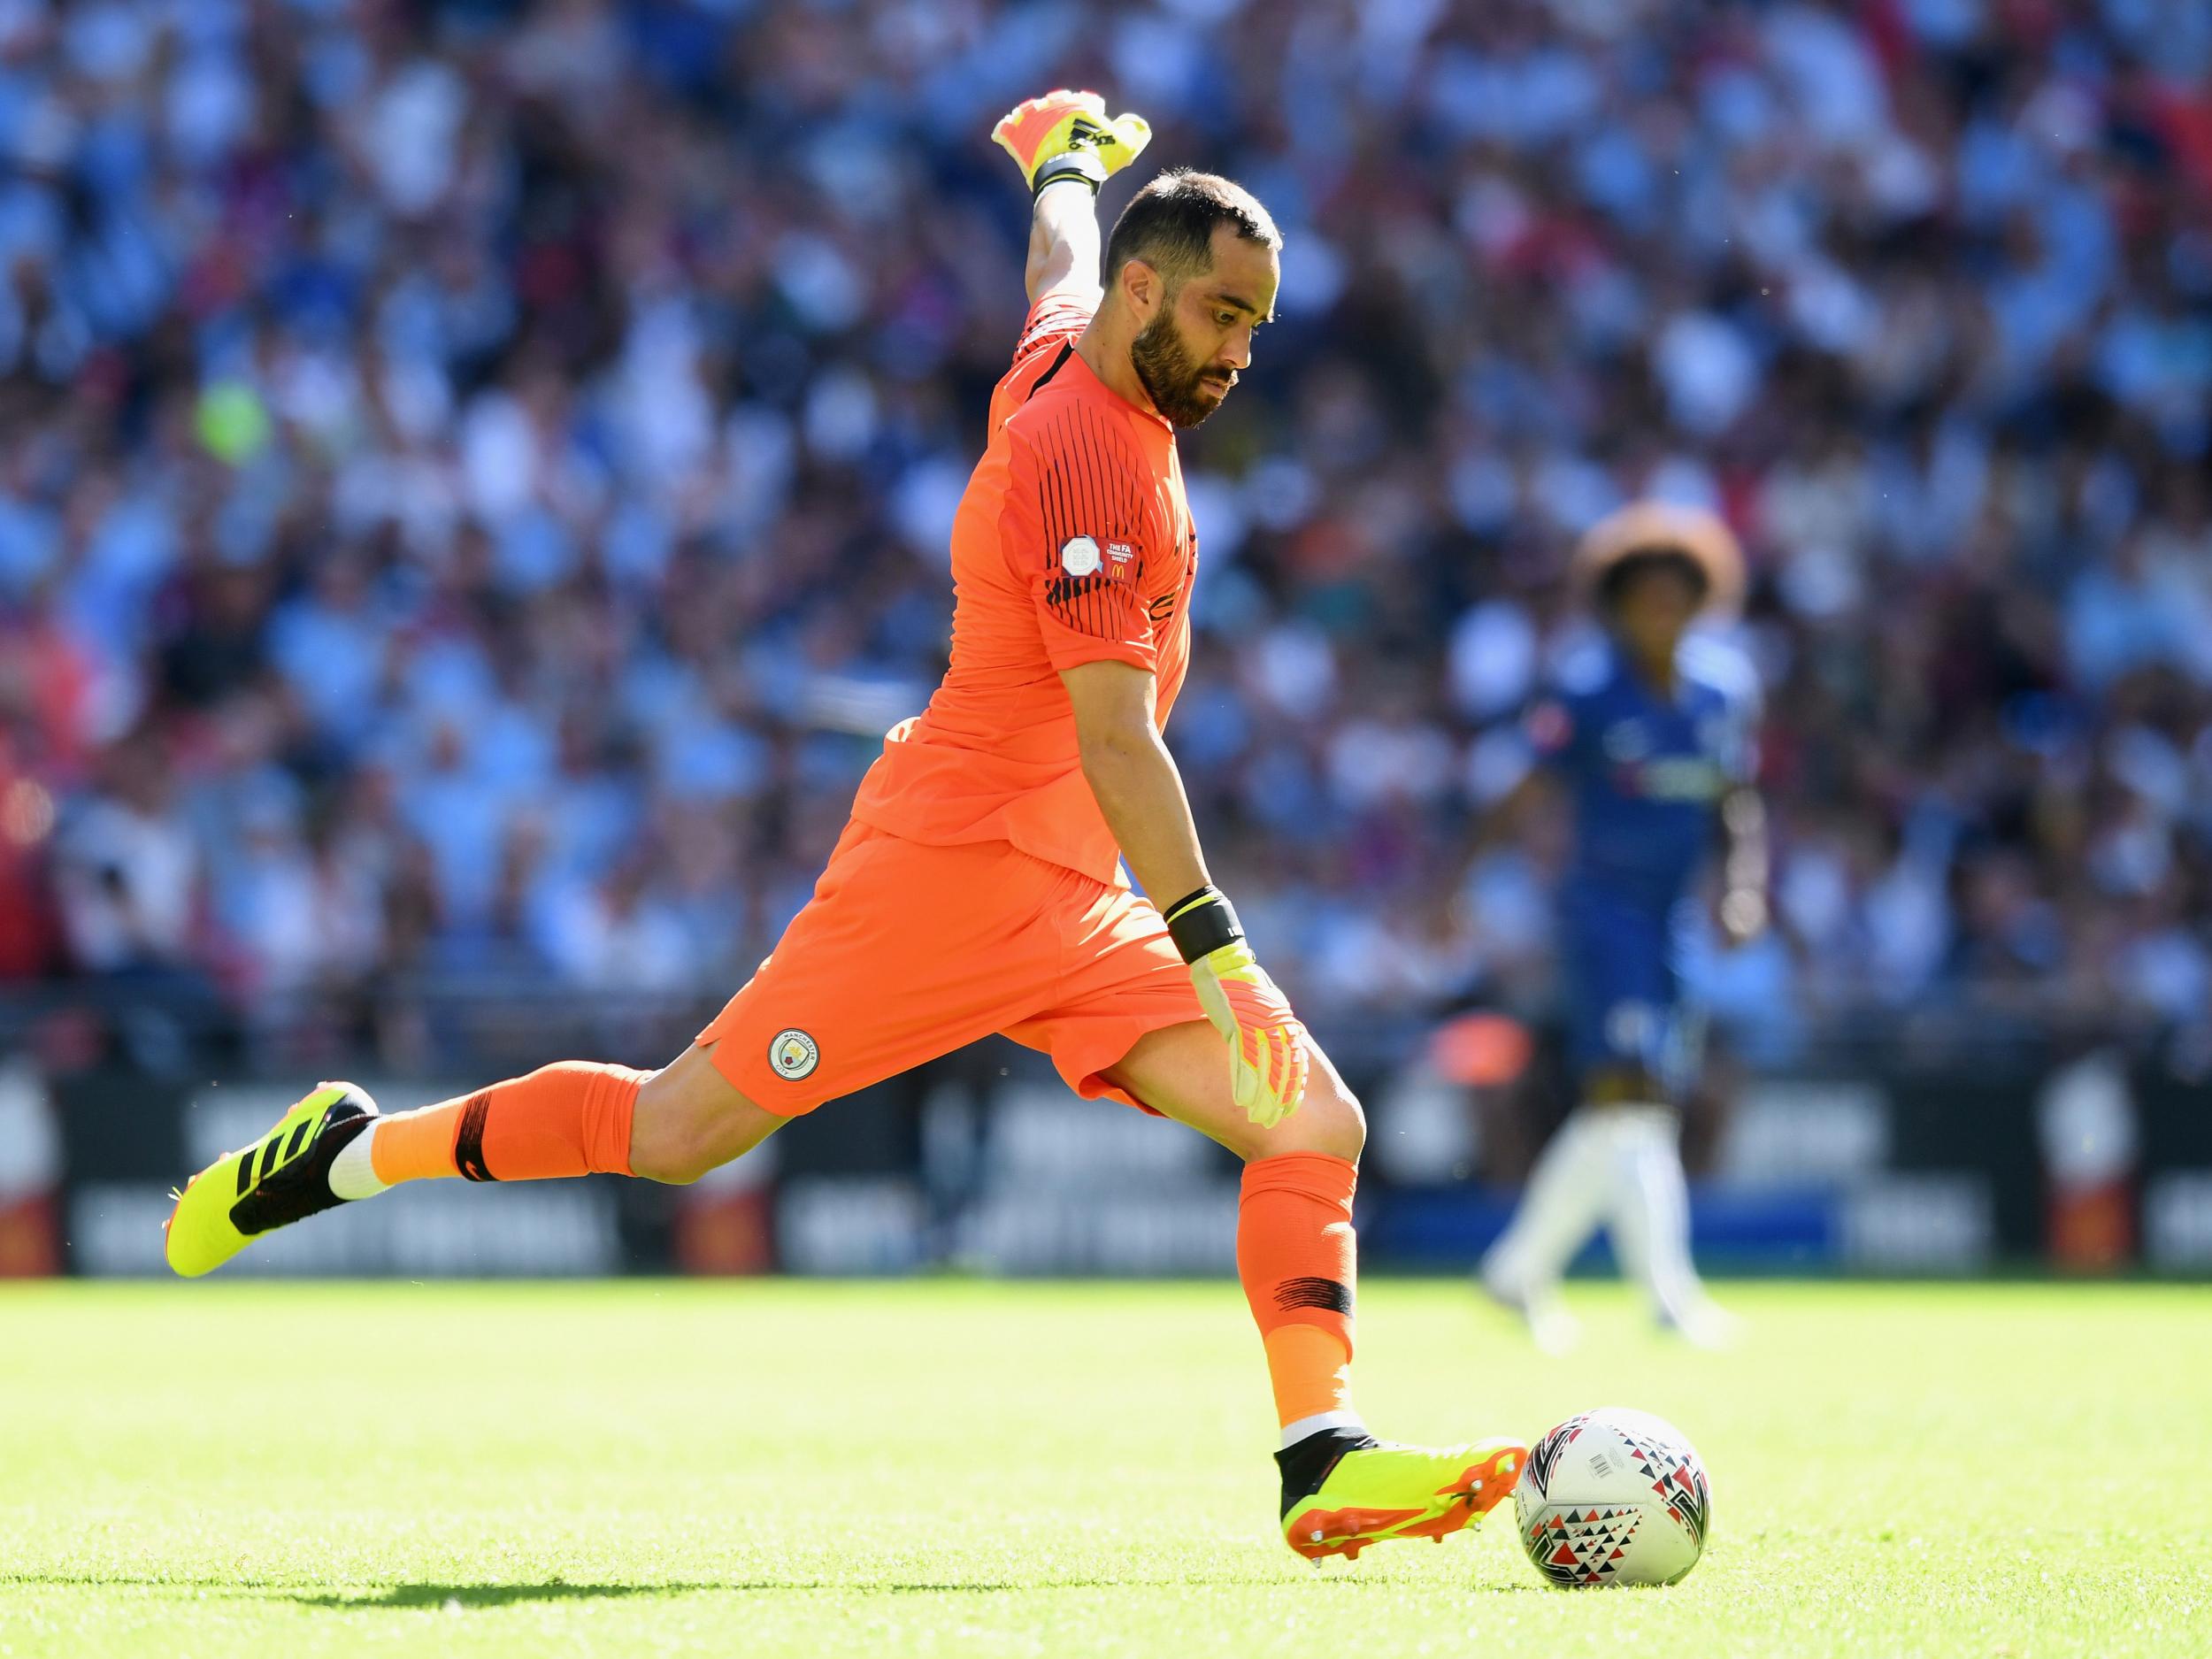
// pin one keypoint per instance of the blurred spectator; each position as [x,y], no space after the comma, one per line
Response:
[129,874]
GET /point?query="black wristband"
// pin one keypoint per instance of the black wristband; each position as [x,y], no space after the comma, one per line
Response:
[1076,164]
[1201,923]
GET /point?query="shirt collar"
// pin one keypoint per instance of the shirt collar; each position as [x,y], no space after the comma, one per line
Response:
[1627,674]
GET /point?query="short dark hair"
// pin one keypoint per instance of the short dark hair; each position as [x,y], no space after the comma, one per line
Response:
[1632,567]
[1170,224]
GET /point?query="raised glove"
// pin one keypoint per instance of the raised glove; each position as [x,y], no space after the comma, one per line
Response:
[1267,1045]
[1066,136]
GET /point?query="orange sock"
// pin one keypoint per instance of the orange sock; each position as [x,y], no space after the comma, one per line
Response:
[568,1118]
[1297,1258]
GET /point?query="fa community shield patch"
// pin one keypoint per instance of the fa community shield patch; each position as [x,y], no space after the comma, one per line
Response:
[794,1054]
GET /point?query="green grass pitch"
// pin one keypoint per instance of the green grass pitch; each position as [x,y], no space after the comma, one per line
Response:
[777,1468]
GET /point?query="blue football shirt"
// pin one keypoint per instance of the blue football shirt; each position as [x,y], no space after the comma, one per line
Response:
[1647,773]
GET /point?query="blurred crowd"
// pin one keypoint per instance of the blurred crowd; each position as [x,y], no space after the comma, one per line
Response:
[476,475]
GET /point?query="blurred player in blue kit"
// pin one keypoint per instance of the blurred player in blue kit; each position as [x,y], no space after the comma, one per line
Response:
[1652,734]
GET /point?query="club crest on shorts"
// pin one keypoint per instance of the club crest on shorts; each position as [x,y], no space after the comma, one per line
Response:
[792,1054]
[1079,556]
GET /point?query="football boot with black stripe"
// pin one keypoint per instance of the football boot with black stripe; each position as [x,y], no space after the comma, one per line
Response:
[280,1179]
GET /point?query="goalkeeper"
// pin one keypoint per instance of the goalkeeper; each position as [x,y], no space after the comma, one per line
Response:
[978,887]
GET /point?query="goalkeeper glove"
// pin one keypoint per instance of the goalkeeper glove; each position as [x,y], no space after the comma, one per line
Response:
[1267,1045]
[1066,136]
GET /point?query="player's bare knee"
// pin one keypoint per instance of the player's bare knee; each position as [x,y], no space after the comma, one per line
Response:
[1329,1121]
[670,1160]
[1341,1127]
[656,1131]
[690,1119]
[671,1132]
[677,1156]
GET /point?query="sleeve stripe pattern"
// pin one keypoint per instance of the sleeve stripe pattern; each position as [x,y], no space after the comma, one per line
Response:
[1050,318]
[1089,488]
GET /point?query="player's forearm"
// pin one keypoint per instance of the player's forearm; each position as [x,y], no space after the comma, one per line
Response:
[1744,819]
[1063,240]
[1140,793]
[1743,903]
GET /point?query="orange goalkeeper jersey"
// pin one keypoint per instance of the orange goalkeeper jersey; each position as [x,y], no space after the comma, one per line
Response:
[1073,544]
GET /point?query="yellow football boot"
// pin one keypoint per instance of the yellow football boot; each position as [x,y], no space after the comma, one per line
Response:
[280,1178]
[1376,1492]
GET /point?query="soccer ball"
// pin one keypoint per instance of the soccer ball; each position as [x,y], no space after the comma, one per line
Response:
[1613,1496]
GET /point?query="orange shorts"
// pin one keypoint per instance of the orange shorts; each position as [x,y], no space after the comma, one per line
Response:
[908,951]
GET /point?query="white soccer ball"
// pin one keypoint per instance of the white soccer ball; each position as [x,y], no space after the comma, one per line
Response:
[1614,1496]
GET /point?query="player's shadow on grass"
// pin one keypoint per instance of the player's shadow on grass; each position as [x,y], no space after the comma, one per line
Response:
[469,1595]
[460,1596]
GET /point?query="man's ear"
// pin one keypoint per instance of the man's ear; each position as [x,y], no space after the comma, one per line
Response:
[1142,288]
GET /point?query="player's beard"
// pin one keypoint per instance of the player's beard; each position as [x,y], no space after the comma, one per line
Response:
[1176,386]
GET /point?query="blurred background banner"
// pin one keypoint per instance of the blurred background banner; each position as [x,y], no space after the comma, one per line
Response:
[475,488]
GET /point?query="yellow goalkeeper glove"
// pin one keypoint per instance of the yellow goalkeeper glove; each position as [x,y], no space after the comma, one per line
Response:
[1267,1044]
[1066,136]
